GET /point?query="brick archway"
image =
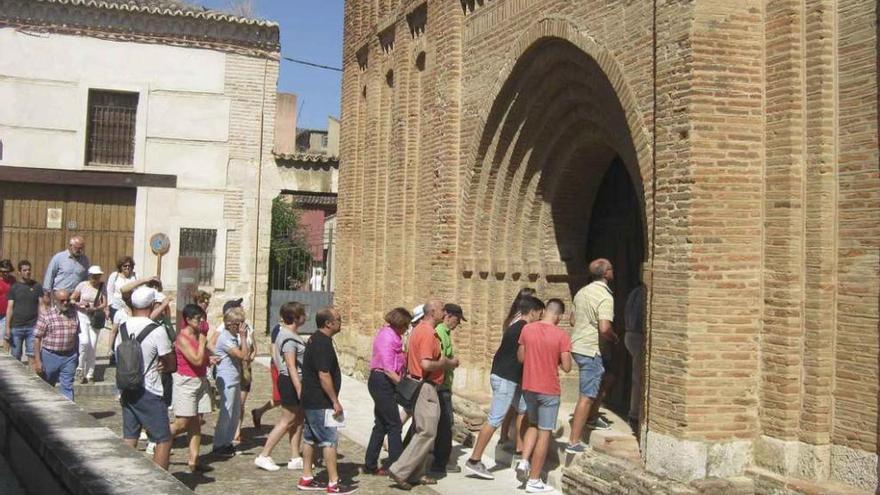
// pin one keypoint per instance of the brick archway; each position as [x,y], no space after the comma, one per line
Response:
[510,157]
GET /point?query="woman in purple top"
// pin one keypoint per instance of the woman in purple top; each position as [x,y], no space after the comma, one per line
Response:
[386,370]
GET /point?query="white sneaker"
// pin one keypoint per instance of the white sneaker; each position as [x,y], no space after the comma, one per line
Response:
[295,464]
[151,448]
[538,486]
[143,435]
[522,470]
[266,463]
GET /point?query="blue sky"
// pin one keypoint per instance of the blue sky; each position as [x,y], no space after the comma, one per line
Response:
[310,30]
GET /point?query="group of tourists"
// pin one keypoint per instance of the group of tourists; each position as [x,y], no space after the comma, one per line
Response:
[161,369]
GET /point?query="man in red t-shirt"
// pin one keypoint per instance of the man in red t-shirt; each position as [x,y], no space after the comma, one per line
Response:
[543,347]
[423,362]
[6,281]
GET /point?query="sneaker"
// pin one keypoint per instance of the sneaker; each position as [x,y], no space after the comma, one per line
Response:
[576,448]
[311,485]
[522,470]
[478,469]
[143,435]
[340,488]
[295,464]
[225,450]
[453,468]
[265,462]
[151,448]
[374,471]
[599,424]
[538,486]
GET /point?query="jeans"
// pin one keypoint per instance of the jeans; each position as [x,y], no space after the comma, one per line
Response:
[591,371]
[22,336]
[504,394]
[59,368]
[88,340]
[230,410]
[386,421]
[443,442]
[315,432]
[543,409]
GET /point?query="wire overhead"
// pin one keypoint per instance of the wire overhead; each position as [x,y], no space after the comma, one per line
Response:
[311,64]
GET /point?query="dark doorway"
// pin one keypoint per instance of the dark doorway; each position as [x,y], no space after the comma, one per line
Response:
[616,233]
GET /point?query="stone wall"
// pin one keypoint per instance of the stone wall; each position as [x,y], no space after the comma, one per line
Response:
[54,447]
[475,135]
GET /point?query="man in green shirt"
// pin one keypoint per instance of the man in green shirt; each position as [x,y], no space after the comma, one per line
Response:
[452,316]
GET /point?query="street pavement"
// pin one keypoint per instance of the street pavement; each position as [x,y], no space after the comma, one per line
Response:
[240,474]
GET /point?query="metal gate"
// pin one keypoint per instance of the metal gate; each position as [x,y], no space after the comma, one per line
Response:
[38,219]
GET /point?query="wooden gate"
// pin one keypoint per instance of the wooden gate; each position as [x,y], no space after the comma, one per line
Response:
[36,220]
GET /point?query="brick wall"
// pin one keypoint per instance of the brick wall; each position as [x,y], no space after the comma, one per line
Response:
[474,176]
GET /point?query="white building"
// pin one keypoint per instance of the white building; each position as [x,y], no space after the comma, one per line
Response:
[120,119]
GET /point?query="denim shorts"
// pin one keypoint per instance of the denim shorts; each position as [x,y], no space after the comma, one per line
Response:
[314,431]
[543,409]
[591,371]
[504,393]
[142,409]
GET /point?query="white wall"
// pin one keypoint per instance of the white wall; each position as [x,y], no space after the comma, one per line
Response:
[182,124]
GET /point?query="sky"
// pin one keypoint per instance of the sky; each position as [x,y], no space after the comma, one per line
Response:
[310,30]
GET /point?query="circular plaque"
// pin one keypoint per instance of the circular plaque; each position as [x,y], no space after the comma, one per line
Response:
[160,244]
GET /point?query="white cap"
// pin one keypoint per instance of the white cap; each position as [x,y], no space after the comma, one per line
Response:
[418,313]
[160,297]
[95,270]
[143,297]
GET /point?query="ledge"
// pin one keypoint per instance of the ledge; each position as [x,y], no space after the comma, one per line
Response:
[58,448]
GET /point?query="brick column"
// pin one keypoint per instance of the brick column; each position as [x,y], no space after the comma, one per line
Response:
[703,369]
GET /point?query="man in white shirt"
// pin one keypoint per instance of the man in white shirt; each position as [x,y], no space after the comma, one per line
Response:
[145,408]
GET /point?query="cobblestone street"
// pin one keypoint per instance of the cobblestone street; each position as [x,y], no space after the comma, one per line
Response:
[238,474]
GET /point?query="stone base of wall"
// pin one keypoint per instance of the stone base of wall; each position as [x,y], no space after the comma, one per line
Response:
[594,473]
[803,461]
[687,460]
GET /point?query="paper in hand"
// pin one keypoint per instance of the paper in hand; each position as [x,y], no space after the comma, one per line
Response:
[333,421]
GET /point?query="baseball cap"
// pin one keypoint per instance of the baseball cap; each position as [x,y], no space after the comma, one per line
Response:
[95,270]
[418,313]
[454,310]
[232,303]
[143,297]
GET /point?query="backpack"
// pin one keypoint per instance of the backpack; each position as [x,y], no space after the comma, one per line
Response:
[130,369]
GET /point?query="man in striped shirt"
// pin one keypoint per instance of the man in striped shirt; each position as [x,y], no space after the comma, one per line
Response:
[56,342]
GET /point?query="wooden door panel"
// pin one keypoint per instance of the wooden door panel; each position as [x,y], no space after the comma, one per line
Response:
[103,217]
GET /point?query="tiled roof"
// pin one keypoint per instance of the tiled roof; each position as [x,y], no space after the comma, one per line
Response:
[307,157]
[164,7]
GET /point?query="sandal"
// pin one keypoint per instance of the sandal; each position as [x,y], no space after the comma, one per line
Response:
[427,480]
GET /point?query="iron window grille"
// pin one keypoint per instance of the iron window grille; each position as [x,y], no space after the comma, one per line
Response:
[111,128]
[200,244]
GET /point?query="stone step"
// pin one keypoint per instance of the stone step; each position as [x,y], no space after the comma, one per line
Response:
[104,383]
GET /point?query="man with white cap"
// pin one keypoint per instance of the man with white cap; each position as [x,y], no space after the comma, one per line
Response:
[144,408]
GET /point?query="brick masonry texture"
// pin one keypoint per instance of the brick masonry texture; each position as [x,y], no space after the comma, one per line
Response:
[474,139]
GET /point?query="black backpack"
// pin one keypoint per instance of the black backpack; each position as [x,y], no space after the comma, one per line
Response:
[130,369]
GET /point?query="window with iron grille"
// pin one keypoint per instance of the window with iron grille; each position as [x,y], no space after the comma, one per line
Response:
[111,128]
[199,244]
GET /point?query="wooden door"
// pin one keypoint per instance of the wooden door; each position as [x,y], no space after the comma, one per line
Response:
[104,217]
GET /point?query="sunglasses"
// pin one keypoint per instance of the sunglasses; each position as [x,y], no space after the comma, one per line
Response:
[127,266]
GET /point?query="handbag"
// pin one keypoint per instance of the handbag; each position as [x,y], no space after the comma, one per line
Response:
[98,319]
[407,391]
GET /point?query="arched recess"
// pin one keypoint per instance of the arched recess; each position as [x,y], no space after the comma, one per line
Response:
[557,86]
[561,114]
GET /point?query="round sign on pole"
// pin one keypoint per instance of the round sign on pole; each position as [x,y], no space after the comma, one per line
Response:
[160,244]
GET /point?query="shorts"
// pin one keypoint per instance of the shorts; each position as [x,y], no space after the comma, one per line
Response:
[543,409]
[142,409]
[591,371]
[504,394]
[192,396]
[276,394]
[287,391]
[314,431]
